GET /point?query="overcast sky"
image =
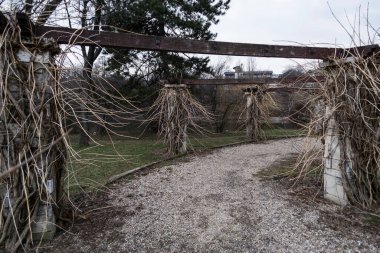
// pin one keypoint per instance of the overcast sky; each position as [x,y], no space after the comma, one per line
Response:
[294,21]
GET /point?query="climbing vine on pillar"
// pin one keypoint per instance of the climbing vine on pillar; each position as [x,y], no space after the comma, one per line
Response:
[351,129]
[32,152]
[35,146]
[352,95]
[258,106]
[177,113]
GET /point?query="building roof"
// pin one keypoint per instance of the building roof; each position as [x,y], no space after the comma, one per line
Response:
[250,73]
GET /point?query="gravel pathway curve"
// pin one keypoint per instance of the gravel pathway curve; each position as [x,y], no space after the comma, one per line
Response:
[214,203]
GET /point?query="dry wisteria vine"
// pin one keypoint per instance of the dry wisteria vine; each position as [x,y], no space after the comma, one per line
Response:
[33,151]
[259,104]
[177,113]
[351,94]
[35,147]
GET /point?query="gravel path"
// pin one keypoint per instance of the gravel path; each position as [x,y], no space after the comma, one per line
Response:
[214,203]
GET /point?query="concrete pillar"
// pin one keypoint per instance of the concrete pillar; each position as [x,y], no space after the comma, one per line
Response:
[30,119]
[249,116]
[336,161]
[43,227]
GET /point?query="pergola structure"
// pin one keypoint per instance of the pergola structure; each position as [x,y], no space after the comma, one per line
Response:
[83,37]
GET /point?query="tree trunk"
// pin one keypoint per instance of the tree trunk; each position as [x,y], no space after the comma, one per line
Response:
[84,138]
[89,59]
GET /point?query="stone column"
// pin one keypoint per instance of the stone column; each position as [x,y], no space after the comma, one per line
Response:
[32,152]
[249,116]
[335,150]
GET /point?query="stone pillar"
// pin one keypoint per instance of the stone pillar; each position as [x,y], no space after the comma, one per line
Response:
[32,152]
[351,138]
[249,116]
[335,152]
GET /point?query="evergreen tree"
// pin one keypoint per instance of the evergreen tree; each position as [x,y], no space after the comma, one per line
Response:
[189,19]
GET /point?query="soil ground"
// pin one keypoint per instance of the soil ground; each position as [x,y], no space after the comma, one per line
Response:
[215,203]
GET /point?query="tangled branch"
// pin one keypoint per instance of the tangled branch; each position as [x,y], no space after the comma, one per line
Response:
[259,104]
[177,113]
[36,111]
[351,121]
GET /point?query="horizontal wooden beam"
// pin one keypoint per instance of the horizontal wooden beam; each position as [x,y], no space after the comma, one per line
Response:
[226,81]
[289,89]
[155,43]
[253,81]
[280,89]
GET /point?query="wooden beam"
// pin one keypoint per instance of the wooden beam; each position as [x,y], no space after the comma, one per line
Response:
[280,89]
[155,43]
[289,89]
[253,81]
[226,81]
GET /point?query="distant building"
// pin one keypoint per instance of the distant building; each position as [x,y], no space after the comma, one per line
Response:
[229,74]
[248,74]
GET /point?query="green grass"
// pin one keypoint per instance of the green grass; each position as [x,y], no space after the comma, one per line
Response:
[99,163]
[372,219]
[279,169]
[283,132]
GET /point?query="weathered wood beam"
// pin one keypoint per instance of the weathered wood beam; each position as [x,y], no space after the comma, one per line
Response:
[289,89]
[227,81]
[281,89]
[155,43]
[243,81]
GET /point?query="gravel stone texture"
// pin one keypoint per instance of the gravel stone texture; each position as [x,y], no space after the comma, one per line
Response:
[214,203]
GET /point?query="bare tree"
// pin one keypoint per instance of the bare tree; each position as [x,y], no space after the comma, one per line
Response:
[46,11]
[91,14]
[250,65]
[221,66]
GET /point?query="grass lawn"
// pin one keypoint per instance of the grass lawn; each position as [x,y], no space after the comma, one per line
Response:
[99,162]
